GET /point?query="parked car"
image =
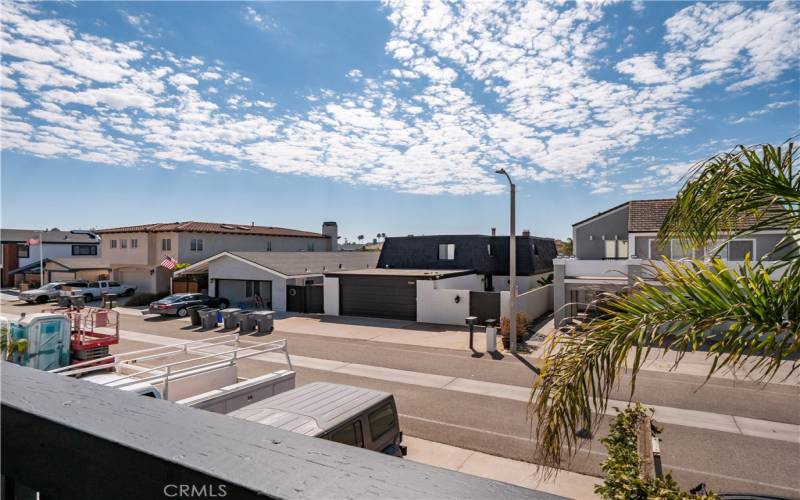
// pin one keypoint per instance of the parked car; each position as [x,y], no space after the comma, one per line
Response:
[95,289]
[361,417]
[49,291]
[176,304]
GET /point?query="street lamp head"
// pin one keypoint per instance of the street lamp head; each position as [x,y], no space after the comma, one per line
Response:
[501,171]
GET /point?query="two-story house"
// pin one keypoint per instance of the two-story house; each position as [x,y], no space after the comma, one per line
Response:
[611,248]
[134,253]
[23,248]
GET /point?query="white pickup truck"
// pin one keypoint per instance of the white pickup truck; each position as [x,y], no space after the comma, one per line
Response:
[96,289]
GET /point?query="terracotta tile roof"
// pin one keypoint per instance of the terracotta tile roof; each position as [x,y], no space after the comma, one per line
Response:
[212,227]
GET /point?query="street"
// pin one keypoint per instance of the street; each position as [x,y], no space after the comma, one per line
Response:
[452,397]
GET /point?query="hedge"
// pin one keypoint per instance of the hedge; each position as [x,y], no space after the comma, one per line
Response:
[623,480]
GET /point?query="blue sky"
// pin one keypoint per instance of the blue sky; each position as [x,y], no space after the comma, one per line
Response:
[385,117]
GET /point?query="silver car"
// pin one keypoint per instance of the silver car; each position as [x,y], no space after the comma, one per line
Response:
[176,304]
[48,292]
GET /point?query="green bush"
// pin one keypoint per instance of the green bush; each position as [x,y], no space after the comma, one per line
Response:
[143,299]
[623,480]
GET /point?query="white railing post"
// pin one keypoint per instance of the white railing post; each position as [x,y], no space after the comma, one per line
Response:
[166,383]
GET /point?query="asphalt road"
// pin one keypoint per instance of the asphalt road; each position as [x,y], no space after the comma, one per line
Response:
[726,462]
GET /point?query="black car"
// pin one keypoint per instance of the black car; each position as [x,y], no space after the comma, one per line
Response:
[176,304]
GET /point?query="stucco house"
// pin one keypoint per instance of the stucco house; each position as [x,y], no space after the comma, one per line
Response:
[21,251]
[134,253]
[286,281]
[443,279]
[612,248]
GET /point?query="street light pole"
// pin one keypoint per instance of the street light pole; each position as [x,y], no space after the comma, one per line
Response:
[512,253]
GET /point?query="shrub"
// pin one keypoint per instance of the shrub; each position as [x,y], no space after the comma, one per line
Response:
[143,299]
[623,479]
[522,325]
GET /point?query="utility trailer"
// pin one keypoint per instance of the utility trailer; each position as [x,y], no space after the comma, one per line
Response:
[201,373]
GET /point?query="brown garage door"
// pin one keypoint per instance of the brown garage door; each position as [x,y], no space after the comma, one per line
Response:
[378,297]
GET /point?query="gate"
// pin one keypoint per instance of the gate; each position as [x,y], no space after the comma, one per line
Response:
[484,305]
[304,299]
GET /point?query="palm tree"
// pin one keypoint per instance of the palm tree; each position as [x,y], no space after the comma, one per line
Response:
[755,317]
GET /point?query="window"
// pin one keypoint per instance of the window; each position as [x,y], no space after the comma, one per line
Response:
[196,245]
[622,249]
[113,283]
[113,243]
[123,243]
[166,244]
[84,249]
[737,249]
[611,249]
[351,434]
[23,250]
[248,288]
[134,243]
[269,245]
[679,251]
[657,250]
[447,251]
[381,421]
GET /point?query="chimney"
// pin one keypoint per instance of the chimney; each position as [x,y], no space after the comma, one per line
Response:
[331,229]
[494,231]
[526,233]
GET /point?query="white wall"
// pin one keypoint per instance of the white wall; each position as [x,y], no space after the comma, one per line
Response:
[536,302]
[331,296]
[524,283]
[50,250]
[438,305]
[468,282]
[228,268]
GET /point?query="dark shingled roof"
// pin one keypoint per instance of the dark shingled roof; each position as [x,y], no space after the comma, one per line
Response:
[54,236]
[647,216]
[212,227]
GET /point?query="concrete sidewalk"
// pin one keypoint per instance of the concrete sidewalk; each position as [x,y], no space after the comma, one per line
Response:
[567,484]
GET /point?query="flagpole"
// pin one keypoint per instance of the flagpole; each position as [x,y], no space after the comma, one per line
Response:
[41,260]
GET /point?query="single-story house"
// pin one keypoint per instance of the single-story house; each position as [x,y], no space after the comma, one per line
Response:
[64,268]
[286,281]
[443,279]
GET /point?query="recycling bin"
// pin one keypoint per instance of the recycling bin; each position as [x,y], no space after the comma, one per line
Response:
[77,301]
[491,336]
[208,318]
[194,314]
[108,300]
[264,320]
[229,317]
[64,300]
[246,321]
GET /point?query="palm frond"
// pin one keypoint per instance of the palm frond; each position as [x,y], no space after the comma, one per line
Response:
[738,193]
[740,316]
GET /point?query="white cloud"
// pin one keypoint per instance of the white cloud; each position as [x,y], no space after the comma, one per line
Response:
[538,108]
[261,21]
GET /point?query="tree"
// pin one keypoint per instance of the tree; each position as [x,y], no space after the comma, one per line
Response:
[756,317]
[566,246]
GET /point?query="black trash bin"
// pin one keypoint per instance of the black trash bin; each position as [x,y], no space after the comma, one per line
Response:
[194,313]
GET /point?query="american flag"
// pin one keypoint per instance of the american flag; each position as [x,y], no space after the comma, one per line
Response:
[169,262]
[33,241]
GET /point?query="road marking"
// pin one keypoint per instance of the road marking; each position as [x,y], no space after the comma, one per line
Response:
[763,429]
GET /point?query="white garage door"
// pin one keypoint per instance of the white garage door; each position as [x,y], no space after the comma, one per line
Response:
[61,275]
[139,278]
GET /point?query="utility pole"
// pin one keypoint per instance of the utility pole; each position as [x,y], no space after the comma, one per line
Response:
[41,259]
[512,266]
